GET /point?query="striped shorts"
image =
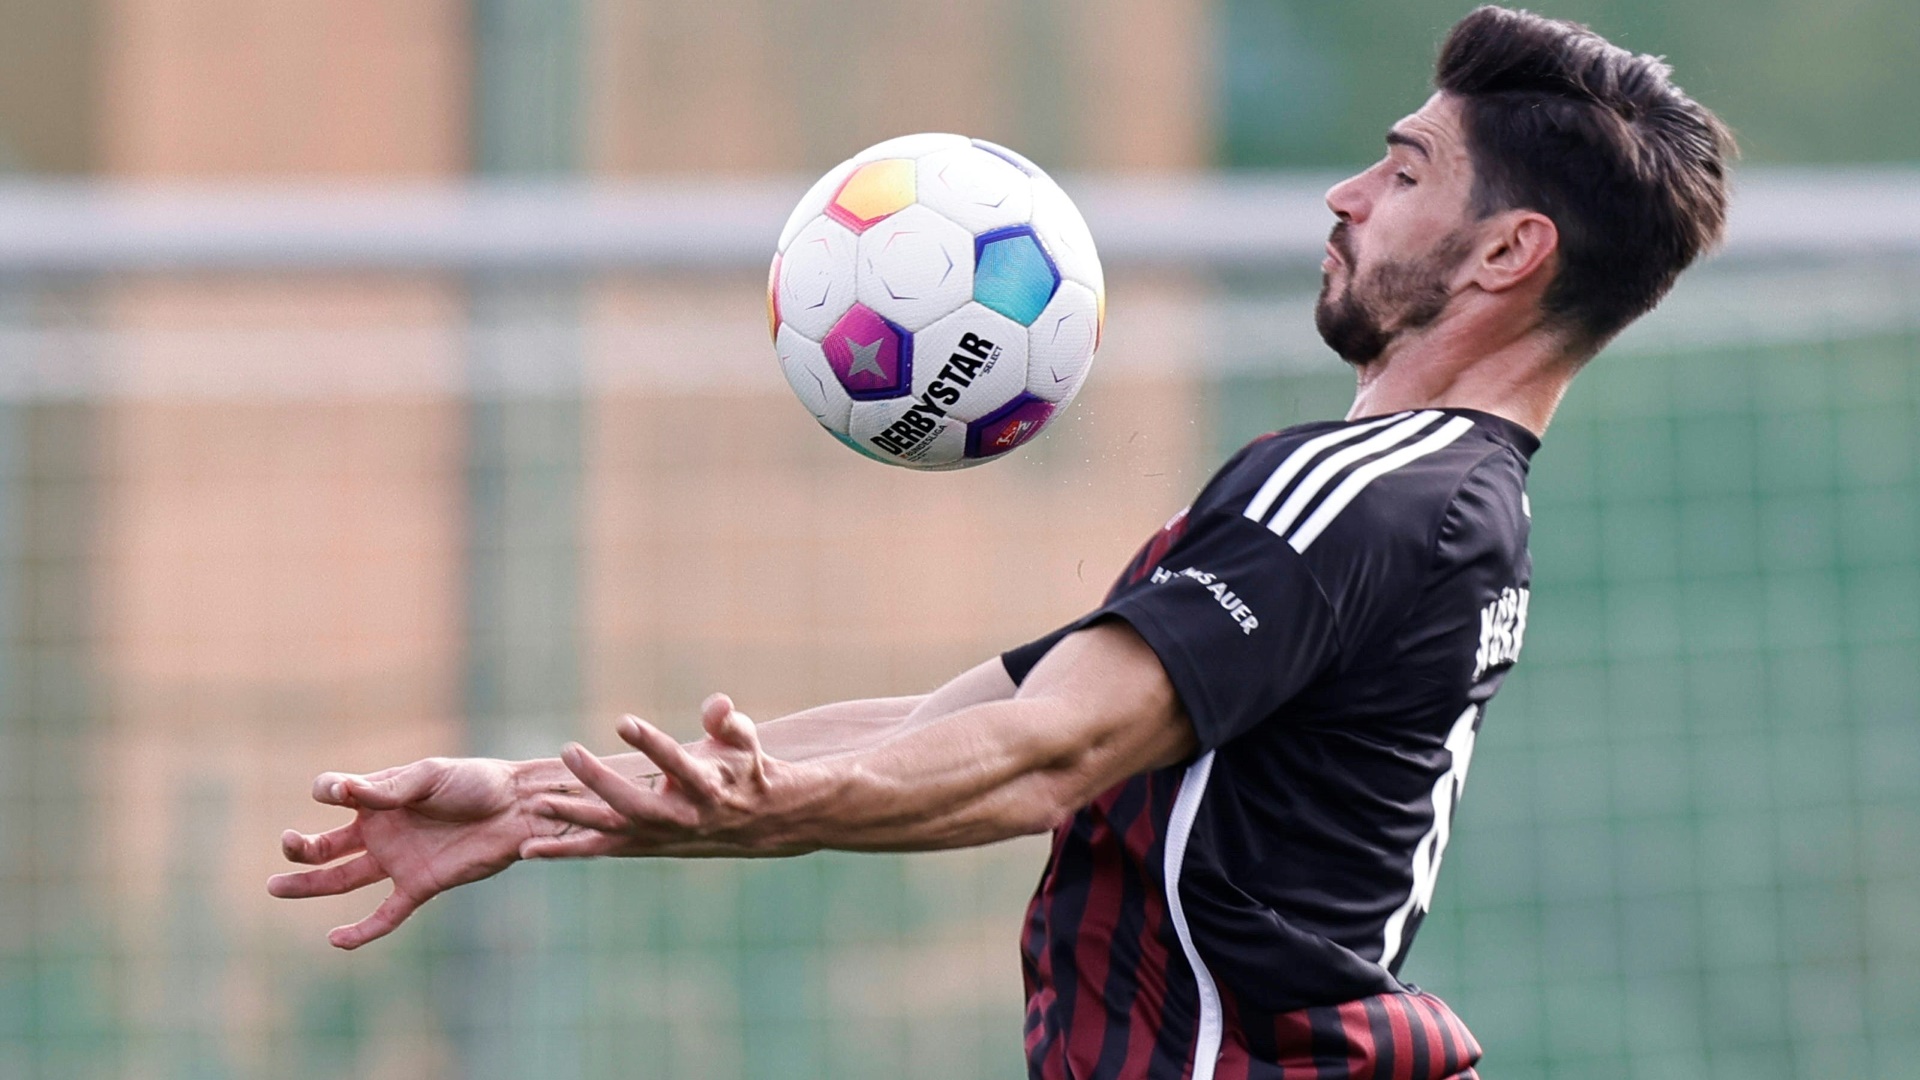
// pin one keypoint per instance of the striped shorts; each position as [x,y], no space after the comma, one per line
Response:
[1410,1036]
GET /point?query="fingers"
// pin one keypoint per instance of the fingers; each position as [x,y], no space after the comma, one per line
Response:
[323,848]
[580,845]
[637,807]
[621,794]
[406,785]
[581,812]
[385,919]
[672,758]
[329,881]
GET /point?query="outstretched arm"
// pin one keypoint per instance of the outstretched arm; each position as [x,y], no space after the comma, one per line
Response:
[825,729]
[1097,709]
[442,822]
[855,725]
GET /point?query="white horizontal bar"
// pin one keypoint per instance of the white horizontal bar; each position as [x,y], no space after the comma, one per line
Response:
[702,349]
[1191,220]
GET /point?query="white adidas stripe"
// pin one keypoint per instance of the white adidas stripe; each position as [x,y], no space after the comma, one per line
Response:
[1367,474]
[1186,807]
[1301,456]
[1323,474]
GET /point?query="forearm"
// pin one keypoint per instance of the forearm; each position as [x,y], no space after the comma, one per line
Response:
[974,777]
[825,729]
[837,728]
[1097,710]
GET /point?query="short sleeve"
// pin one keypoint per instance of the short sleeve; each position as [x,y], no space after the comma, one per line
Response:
[1237,620]
[1235,617]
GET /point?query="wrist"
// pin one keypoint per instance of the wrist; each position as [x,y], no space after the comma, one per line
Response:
[531,780]
[794,800]
[537,775]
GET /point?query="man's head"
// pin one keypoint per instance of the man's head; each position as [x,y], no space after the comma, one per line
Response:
[1552,170]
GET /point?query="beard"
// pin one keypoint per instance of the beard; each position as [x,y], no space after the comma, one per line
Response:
[1392,299]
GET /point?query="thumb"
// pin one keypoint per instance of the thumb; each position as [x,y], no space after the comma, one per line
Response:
[726,724]
[714,711]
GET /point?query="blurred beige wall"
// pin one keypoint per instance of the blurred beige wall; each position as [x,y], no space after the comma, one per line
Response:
[249,88]
[687,86]
[214,89]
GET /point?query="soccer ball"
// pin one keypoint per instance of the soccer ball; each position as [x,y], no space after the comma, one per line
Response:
[935,300]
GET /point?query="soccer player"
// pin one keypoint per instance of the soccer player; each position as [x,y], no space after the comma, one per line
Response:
[1249,756]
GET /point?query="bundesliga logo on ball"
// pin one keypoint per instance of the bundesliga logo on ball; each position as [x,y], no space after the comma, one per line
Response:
[935,300]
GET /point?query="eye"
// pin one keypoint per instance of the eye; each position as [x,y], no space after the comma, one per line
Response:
[1404,178]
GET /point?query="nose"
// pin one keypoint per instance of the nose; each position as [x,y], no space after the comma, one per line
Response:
[1347,199]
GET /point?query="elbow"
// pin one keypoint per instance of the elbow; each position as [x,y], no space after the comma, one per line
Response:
[1036,818]
[1047,801]
[1067,762]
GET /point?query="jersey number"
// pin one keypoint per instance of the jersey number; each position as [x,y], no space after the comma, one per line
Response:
[1433,846]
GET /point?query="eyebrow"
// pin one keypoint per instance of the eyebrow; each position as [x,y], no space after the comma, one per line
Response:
[1399,138]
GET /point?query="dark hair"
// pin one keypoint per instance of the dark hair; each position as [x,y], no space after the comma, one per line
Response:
[1631,170]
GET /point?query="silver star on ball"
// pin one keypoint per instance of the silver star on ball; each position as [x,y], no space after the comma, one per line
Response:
[866,358]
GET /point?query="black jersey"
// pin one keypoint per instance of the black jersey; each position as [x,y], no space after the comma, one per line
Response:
[1334,611]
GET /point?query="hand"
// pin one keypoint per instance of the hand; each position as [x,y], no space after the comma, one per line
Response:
[429,826]
[706,800]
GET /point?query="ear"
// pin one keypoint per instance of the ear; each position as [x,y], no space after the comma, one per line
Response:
[1518,251]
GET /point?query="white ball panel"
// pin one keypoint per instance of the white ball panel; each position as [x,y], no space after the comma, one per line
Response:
[811,377]
[999,376]
[909,146]
[814,202]
[1062,340]
[915,267]
[817,277]
[1065,233]
[911,444]
[948,450]
[978,189]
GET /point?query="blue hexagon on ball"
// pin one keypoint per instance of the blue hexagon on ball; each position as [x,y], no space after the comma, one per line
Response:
[1013,274]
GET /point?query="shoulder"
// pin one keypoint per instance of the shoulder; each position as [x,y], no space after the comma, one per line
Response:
[1369,480]
[1370,514]
[1369,505]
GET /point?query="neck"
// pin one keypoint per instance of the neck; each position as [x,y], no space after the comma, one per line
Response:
[1519,376]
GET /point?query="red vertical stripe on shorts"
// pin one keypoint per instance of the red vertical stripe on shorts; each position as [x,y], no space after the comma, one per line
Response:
[1436,1048]
[1293,1039]
[1359,1034]
[1396,1006]
[1450,1027]
[1462,1038]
